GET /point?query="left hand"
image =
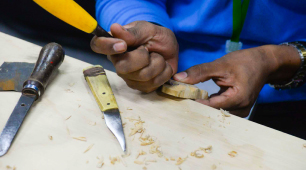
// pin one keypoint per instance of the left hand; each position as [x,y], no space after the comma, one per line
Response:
[242,74]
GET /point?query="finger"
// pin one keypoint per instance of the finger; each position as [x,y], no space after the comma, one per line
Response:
[156,66]
[154,83]
[136,34]
[131,61]
[196,74]
[230,99]
[107,46]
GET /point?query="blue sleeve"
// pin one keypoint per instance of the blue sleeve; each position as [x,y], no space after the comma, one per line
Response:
[124,12]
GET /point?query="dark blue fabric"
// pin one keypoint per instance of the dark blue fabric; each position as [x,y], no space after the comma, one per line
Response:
[203,26]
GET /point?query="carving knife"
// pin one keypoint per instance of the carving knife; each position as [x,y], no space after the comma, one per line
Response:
[101,89]
[73,14]
[50,58]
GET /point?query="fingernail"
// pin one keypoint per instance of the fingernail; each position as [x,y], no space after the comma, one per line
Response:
[123,28]
[180,76]
[119,47]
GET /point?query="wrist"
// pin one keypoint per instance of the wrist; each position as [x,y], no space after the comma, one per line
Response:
[285,61]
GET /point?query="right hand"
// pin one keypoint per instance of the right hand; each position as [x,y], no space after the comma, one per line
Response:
[152,63]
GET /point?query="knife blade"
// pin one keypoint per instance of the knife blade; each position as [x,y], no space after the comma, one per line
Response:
[50,58]
[98,83]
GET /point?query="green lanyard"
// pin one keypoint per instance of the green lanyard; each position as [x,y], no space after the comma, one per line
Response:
[239,14]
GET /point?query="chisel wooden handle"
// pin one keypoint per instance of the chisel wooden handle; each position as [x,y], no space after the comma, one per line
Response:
[100,87]
[50,58]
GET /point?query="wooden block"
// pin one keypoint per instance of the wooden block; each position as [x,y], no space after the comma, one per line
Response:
[183,90]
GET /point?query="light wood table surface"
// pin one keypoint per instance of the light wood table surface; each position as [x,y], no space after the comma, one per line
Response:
[179,126]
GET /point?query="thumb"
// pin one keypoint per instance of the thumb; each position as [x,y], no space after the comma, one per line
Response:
[195,74]
[135,33]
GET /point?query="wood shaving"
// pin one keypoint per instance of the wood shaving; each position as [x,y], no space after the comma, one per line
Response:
[141,153]
[166,159]
[8,167]
[213,167]
[207,149]
[71,84]
[172,159]
[146,143]
[80,138]
[100,162]
[225,113]
[133,119]
[232,154]
[139,162]
[197,154]
[113,160]
[129,108]
[102,116]
[50,137]
[68,117]
[123,124]
[144,168]
[123,162]
[137,129]
[181,160]
[156,149]
[304,145]
[89,147]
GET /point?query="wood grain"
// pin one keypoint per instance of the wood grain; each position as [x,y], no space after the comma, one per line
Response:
[182,90]
[179,126]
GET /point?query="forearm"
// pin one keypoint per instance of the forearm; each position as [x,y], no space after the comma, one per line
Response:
[284,62]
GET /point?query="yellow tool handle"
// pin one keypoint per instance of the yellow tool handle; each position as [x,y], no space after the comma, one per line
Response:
[100,87]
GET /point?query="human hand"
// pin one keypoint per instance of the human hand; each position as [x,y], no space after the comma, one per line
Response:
[151,64]
[242,74]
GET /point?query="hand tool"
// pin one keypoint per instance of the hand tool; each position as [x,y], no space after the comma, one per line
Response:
[13,75]
[50,58]
[73,14]
[101,89]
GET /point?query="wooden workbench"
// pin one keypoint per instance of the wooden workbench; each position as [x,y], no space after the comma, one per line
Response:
[179,126]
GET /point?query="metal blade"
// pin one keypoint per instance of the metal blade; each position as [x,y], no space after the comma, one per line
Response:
[14,122]
[114,123]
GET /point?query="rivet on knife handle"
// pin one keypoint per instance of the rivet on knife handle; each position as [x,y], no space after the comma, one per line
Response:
[100,87]
[50,58]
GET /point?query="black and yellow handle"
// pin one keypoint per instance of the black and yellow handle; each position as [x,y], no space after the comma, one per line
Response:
[100,87]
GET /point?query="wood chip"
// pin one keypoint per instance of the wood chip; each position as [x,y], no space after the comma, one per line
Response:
[166,159]
[87,162]
[89,147]
[144,168]
[156,149]
[8,167]
[172,159]
[197,154]
[304,145]
[50,137]
[213,167]
[225,113]
[80,138]
[207,149]
[129,108]
[141,153]
[126,155]
[68,131]
[149,161]
[113,160]
[139,162]
[181,160]
[102,116]
[68,117]
[232,154]
[123,124]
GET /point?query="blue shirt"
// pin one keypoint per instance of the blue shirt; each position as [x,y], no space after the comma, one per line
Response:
[203,26]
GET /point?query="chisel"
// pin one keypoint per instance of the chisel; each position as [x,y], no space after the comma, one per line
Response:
[50,58]
[102,91]
[74,15]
